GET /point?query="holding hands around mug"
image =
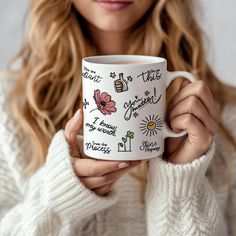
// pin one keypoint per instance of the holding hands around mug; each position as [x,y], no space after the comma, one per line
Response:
[193,109]
[97,175]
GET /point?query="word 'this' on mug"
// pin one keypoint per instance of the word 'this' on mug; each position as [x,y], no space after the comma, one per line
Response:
[124,106]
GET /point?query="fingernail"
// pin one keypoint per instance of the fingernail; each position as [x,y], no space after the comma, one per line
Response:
[123,165]
[77,114]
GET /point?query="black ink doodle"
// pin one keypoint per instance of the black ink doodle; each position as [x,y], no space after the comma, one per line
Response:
[100,147]
[149,146]
[151,125]
[150,75]
[102,127]
[91,75]
[130,78]
[85,103]
[113,75]
[122,146]
[138,103]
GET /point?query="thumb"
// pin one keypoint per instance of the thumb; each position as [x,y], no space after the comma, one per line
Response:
[77,120]
[71,131]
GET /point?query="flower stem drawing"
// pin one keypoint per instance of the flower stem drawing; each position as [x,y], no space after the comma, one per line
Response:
[104,103]
[124,141]
[130,135]
[122,147]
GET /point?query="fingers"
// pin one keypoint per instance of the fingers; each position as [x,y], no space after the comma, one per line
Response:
[92,167]
[192,109]
[202,92]
[103,190]
[109,178]
[198,141]
[197,133]
[193,105]
[71,130]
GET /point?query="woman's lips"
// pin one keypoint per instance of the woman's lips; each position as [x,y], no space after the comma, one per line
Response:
[113,5]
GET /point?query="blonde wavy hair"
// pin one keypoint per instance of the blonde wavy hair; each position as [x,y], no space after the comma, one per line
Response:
[48,87]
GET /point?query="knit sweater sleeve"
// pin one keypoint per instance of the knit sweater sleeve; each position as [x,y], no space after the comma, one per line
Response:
[52,198]
[229,118]
[180,200]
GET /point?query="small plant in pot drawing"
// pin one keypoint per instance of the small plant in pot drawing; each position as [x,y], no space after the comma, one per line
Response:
[122,147]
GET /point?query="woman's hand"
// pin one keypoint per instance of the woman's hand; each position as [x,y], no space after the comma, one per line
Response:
[193,109]
[97,175]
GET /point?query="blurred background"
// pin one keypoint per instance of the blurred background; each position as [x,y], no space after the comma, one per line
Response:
[218,21]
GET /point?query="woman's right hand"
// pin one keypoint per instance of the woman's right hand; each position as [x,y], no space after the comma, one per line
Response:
[97,175]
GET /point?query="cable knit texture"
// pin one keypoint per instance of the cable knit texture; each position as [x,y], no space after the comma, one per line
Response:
[185,199]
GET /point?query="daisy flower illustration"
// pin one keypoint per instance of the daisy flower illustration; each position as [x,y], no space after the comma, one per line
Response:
[104,103]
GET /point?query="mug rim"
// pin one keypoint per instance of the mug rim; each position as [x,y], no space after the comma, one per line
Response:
[104,59]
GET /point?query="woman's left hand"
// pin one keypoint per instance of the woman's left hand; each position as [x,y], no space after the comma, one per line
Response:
[193,109]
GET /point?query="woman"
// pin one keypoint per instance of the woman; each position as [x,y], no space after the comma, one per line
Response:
[49,188]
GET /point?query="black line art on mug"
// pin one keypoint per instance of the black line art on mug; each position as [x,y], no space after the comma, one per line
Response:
[151,125]
[133,106]
[113,75]
[150,75]
[130,78]
[91,75]
[85,103]
[122,147]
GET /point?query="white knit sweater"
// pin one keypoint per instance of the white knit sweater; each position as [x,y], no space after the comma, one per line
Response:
[184,199]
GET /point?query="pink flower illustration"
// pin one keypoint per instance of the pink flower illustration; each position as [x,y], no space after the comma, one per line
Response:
[104,103]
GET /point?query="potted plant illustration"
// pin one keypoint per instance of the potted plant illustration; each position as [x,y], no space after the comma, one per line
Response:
[124,141]
[130,135]
[122,146]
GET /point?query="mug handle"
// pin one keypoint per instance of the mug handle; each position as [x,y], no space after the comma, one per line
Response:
[169,78]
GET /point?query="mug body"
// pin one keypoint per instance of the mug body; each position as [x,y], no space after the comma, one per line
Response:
[124,106]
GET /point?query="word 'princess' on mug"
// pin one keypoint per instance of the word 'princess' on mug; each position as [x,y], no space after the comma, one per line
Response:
[124,106]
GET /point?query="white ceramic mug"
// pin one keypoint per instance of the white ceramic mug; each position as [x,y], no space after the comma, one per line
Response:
[124,106]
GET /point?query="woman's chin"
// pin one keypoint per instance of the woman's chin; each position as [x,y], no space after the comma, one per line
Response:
[112,26]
